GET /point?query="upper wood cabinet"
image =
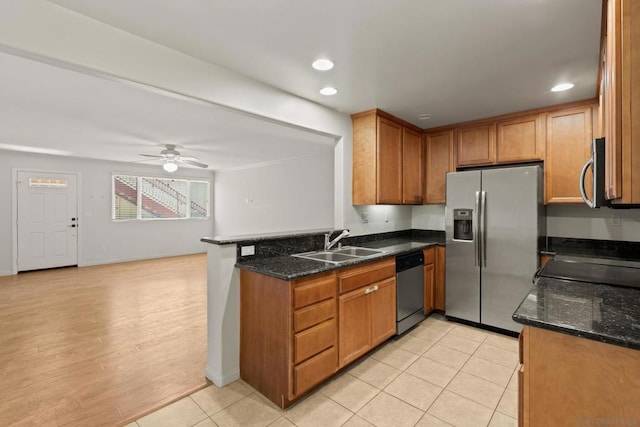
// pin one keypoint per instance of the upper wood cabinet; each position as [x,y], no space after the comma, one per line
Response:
[514,140]
[412,167]
[439,161]
[475,145]
[520,139]
[382,172]
[620,101]
[568,145]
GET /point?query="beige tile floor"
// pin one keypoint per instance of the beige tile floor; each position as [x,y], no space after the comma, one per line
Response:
[441,373]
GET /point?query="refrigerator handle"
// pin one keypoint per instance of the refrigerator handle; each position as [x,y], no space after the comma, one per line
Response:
[476,234]
[483,230]
[583,176]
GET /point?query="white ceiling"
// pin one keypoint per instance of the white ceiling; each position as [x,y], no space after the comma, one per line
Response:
[456,60]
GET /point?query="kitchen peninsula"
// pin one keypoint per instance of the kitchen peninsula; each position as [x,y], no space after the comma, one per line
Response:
[285,309]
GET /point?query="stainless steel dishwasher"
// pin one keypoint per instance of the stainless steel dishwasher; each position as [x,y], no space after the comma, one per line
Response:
[409,291]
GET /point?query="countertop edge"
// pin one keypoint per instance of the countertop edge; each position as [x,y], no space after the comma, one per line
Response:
[576,332]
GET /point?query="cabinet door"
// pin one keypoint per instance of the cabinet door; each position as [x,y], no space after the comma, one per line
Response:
[412,167]
[611,88]
[429,288]
[476,145]
[383,311]
[354,330]
[439,154]
[520,139]
[440,278]
[389,162]
[569,135]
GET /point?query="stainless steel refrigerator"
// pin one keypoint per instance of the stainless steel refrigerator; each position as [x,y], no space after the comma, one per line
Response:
[494,223]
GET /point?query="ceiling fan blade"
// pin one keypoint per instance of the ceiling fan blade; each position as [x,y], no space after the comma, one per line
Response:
[154,159]
[194,163]
[193,159]
[152,155]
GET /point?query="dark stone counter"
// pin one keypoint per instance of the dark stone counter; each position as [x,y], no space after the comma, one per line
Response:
[606,313]
[287,267]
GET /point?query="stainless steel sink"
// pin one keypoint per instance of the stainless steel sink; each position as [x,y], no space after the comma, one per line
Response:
[357,251]
[341,255]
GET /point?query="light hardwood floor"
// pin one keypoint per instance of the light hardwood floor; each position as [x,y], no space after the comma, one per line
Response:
[101,345]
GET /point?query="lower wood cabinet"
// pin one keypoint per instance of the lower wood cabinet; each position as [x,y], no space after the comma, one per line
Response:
[440,275]
[296,334]
[429,279]
[367,314]
[288,334]
[565,380]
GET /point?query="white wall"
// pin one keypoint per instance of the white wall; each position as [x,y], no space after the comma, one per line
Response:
[286,196]
[578,221]
[428,217]
[101,240]
[44,31]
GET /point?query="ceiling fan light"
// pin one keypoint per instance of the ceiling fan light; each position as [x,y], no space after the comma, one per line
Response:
[170,166]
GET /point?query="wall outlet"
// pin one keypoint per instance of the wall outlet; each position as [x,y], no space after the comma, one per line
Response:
[247,250]
[614,220]
[365,217]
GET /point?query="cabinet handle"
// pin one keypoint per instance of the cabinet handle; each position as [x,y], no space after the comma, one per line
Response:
[375,288]
[368,291]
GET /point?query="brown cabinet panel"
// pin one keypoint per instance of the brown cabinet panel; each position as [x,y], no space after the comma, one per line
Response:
[440,278]
[476,145]
[389,162]
[412,167]
[314,371]
[356,277]
[569,135]
[621,75]
[567,380]
[312,315]
[314,340]
[383,311]
[520,139]
[354,326]
[429,255]
[429,288]
[439,161]
[314,290]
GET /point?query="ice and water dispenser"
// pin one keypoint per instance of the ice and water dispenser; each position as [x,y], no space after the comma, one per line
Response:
[463,224]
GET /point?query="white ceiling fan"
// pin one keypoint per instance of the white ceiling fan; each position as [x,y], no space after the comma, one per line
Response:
[170,158]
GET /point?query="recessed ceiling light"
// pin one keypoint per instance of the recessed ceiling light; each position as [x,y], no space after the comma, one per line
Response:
[322,64]
[328,91]
[562,86]
[424,116]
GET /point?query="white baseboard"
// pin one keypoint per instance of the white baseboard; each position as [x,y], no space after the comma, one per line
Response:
[6,273]
[222,379]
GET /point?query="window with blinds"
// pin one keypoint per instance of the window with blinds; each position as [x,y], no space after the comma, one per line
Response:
[141,197]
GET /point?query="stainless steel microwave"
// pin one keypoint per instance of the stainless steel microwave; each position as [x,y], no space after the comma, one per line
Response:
[596,162]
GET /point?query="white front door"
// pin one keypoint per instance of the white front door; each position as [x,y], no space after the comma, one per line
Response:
[47,220]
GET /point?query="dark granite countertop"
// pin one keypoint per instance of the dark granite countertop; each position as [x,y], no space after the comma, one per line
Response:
[610,314]
[287,267]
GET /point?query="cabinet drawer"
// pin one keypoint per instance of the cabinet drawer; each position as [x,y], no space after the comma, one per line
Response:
[356,277]
[314,370]
[314,340]
[311,291]
[314,314]
[429,255]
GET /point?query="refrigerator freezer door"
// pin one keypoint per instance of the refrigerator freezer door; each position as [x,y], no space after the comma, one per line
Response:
[462,299]
[513,198]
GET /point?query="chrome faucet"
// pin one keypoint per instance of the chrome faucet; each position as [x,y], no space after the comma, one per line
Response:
[329,244]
